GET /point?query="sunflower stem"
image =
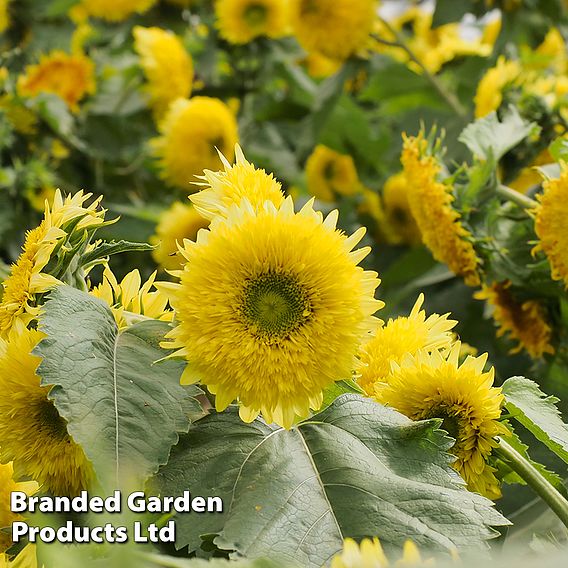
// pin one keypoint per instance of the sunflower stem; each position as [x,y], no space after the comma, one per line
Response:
[519,198]
[534,479]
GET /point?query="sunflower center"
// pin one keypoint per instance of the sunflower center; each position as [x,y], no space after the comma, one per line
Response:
[399,215]
[255,15]
[329,171]
[52,421]
[275,304]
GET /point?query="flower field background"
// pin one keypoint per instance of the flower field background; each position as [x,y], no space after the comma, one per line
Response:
[309,256]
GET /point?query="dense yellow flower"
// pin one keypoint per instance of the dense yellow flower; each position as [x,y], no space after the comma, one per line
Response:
[435,385]
[115,10]
[431,205]
[369,554]
[330,174]
[400,225]
[191,133]
[166,64]
[272,308]
[240,21]
[231,185]
[34,436]
[4,15]
[550,224]
[522,321]
[401,336]
[335,29]
[38,195]
[319,66]
[7,485]
[130,295]
[70,77]
[489,94]
[26,558]
[181,221]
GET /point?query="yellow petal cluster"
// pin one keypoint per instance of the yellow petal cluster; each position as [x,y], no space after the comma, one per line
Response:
[241,21]
[522,321]
[271,309]
[34,436]
[167,65]
[431,205]
[115,10]
[335,29]
[4,15]
[181,221]
[434,385]
[190,134]
[330,174]
[230,186]
[70,77]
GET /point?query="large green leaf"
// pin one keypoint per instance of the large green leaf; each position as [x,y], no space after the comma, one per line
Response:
[537,412]
[356,469]
[121,407]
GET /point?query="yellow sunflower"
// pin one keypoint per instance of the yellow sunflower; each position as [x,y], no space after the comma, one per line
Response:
[489,94]
[431,205]
[166,64]
[26,558]
[115,10]
[179,222]
[335,29]
[240,21]
[523,322]
[130,295]
[330,174]
[434,385]
[400,225]
[191,133]
[271,309]
[7,485]
[550,224]
[398,337]
[231,185]
[4,15]
[70,77]
[34,436]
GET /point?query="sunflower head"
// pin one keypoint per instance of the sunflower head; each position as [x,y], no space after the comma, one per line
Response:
[434,385]
[398,337]
[191,134]
[34,436]
[166,64]
[330,174]
[271,308]
[233,184]
[240,21]
[115,10]
[70,77]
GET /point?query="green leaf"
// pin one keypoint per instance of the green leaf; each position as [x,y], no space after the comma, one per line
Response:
[448,11]
[537,412]
[559,149]
[107,249]
[488,137]
[356,469]
[125,410]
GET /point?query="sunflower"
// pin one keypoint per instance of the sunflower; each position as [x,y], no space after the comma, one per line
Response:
[26,558]
[115,10]
[240,21]
[550,224]
[272,308]
[166,64]
[335,29]
[4,15]
[130,295]
[401,336]
[434,385]
[400,225]
[524,322]
[489,95]
[191,133]
[34,436]
[369,554]
[236,182]
[431,205]
[70,77]
[330,173]
[7,485]
[179,222]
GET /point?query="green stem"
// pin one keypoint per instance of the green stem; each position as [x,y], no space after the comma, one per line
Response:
[519,198]
[448,96]
[534,479]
